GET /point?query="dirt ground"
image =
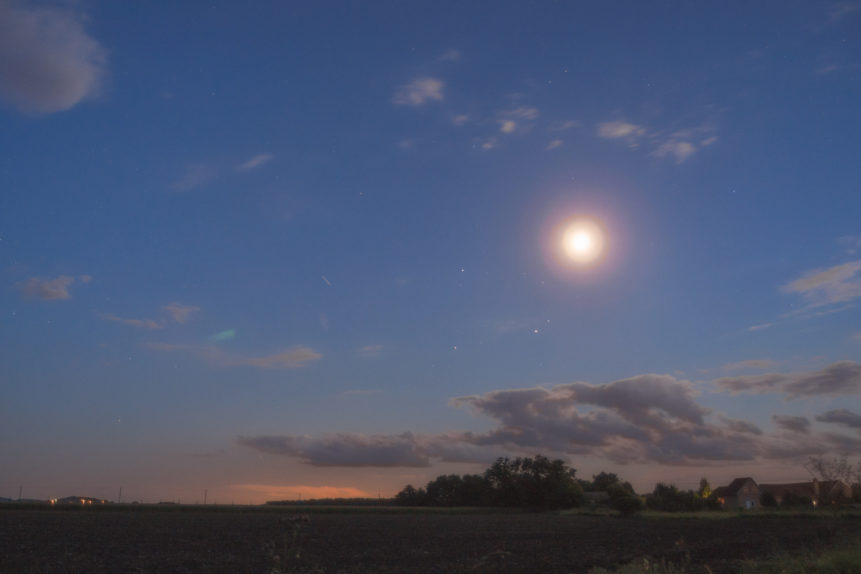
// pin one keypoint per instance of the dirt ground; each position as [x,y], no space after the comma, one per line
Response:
[190,540]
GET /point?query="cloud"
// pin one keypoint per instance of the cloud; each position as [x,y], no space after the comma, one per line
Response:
[620,130]
[179,312]
[852,243]
[419,92]
[760,327]
[292,358]
[370,351]
[741,426]
[194,176]
[759,364]
[450,56]
[838,284]
[460,120]
[226,335]
[489,144]
[792,423]
[48,62]
[678,145]
[522,113]
[648,418]
[255,161]
[841,416]
[554,144]
[840,378]
[351,450]
[842,10]
[293,492]
[56,289]
[139,323]
[563,126]
[507,126]
[677,149]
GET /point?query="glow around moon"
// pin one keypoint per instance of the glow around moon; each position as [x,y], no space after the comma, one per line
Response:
[583,241]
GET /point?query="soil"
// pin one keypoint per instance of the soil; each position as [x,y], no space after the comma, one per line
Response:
[232,540]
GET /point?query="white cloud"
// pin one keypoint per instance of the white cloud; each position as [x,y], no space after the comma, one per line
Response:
[619,130]
[195,176]
[255,161]
[507,126]
[760,327]
[554,144]
[460,120]
[489,144]
[419,92]
[522,113]
[48,62]
[679,150]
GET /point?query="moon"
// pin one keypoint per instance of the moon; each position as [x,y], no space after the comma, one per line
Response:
[583,241]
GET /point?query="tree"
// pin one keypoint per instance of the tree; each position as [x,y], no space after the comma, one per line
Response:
[604,480]
[705,489]
[767,500]
[409,496]
[624,499]
[837,468]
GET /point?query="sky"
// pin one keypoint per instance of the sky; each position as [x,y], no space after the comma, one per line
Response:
[281,250]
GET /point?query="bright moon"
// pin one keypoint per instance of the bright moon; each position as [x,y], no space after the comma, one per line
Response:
[583,241]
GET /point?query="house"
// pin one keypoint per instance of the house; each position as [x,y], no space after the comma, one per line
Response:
[741,493]
[816,492]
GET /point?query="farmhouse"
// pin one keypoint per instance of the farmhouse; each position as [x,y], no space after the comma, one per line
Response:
[817,492]
[741,493]
[746,493]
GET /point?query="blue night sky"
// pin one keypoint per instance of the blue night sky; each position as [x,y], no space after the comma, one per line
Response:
[316,249]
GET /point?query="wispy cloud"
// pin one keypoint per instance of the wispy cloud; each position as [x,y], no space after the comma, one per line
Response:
[792,423]
[554,144]
[841,416]
[564,126]
[370,351]
[840,378]
[678,145]
[834,285]
[179,312]
[851,243]
[195,176]
[760,327]
[255,161]
[351,450]
[56,289]
[450,56]
[842,10]
[758,364]
[419,92]
[292,358]
[48,62]
[621,130]
[139,323]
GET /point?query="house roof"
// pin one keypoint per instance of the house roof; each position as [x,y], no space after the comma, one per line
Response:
[733,487]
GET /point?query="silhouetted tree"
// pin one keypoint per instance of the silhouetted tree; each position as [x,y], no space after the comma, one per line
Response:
[705,489]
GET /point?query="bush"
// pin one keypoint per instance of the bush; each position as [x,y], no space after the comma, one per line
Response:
[767,500]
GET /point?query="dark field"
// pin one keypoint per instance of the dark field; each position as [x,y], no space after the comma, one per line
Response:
[277,540]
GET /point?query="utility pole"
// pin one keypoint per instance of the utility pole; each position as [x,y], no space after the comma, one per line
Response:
[120,497]
[204,496]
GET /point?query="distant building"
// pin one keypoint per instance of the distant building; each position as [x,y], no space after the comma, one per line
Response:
[741,493]
[818,492]
[746,493]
